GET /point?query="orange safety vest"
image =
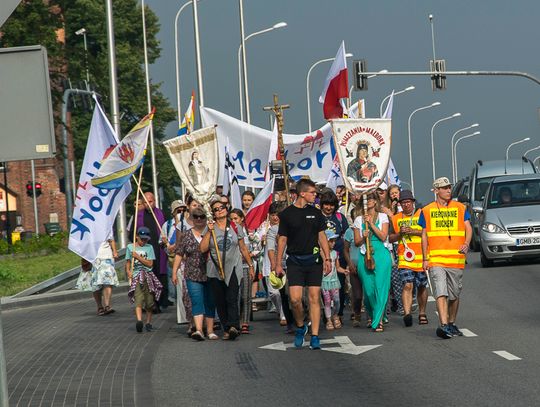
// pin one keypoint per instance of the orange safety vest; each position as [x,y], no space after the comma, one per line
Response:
[445,228]
[413,242]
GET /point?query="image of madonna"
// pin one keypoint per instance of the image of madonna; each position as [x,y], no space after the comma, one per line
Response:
[197,171]
[361,169]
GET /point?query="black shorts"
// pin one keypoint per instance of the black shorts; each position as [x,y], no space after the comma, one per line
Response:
[304,276]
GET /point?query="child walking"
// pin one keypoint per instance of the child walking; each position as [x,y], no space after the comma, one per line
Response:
[331,285]
[145,288]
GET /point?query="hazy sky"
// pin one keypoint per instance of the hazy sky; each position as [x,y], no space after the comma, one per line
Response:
[393,35]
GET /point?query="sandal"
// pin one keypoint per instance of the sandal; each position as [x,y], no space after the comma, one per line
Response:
[108,310]
[407,320]
[337,322]
[101,311]
[329,325]
[244,329]
[198,336]
[368,323]
[212,336]
[422,319]
[380,328]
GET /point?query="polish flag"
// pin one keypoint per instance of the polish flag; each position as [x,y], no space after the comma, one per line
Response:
[336,86]
[258,211]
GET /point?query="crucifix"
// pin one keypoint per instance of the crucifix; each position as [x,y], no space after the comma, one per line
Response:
[278,112]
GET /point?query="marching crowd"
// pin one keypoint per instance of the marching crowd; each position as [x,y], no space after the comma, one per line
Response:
[377,252]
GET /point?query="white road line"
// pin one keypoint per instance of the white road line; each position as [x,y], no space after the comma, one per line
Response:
[467,333]
[506,355]
[430,299]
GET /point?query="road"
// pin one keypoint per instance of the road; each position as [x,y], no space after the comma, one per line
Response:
[64,355]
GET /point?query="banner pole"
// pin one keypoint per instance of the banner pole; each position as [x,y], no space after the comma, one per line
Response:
[147,203]
[135,220]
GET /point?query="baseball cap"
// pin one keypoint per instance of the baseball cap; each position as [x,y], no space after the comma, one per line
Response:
[441,182]
[383,186]
[330,234]
[405,195]
[277,282]
[144,233]
[177,204]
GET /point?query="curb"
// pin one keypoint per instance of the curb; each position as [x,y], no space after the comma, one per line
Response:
[10,303]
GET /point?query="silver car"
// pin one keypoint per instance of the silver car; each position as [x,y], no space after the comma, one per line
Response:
[509,219]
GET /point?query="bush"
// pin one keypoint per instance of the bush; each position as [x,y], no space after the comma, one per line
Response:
[37,245]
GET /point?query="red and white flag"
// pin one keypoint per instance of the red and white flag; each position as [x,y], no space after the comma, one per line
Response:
[258,211]
[336,86]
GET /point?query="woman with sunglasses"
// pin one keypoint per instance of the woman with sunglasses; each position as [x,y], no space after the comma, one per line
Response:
[188,252]
[229,240]
[376,283]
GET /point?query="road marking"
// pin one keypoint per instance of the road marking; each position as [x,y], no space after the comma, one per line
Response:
[506,355]
[345,346]
[467,333]
[430,299]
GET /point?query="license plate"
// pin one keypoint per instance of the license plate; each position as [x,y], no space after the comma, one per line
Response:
[528,241]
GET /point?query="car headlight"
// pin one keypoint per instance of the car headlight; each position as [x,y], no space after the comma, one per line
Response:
[492,228]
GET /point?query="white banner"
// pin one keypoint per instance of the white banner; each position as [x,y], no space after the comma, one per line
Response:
[95,208]
[195,157]
[363,149]
[307,154]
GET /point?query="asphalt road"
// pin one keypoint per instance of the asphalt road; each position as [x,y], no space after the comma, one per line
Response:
[65,355]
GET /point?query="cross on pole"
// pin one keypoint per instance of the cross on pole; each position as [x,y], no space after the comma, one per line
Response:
[278,112]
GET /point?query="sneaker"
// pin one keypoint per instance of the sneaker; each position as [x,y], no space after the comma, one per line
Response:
[233,333]
[444,332]
[454,329]
[414,306]
[299,336]
[272,309]
[314,343]
[148,327]
[139,326]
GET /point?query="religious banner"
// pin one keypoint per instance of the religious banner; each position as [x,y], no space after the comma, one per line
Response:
[195,157]
[308,154]
[363,150]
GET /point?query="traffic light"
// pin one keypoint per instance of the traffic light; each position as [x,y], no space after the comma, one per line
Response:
[360,80]
[438,82]
[30,188]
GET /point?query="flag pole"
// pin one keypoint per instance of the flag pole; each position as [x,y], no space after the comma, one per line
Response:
[135,220]
[147,203]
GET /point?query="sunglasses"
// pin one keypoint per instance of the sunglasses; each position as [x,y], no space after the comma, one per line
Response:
[199,216]
[219,208]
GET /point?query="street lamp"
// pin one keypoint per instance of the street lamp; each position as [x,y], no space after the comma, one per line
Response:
[274,27]
[369,77]
[476,133]
[454,170]
[532,149]
[388,97]
[410,141]
[536,159]
[432,145]
[348,55]
[82,32]
[508,149]
[178,104]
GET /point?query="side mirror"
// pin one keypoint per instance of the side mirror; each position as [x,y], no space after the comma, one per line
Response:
[478,209]
[463,198]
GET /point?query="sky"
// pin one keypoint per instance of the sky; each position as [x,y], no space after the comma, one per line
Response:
[390,34]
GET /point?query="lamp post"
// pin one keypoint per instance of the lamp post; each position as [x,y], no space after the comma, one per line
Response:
[82,32]
[395,93]
[536,159]
[508,149]
[530,150]
[149,106]
[176,53]
[476,133]
[410,141]
[347,55]
[200,86]
[274,27]
[453,157]
[432,145]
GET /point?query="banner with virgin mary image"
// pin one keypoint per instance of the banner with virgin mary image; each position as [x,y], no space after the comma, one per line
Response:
[195,157]
[363,150]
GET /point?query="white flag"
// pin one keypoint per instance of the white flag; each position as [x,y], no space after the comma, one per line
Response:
[334,178]
[95,208]
[392,175]
[230,182]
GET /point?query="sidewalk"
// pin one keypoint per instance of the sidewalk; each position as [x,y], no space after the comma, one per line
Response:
[65,355]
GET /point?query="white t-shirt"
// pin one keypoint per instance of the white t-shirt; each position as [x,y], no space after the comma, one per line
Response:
[381,219]
[105,251]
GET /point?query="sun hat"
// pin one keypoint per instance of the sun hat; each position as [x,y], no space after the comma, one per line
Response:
[383,186]
[177,204]
[441,182]
[406,194]
[277,282]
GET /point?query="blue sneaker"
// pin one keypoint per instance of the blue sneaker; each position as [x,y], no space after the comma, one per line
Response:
[299,337]
[455,330]
[444,332]
[314,343]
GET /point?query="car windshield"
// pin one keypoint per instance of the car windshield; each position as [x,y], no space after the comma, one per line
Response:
[481,187]
[514,193]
